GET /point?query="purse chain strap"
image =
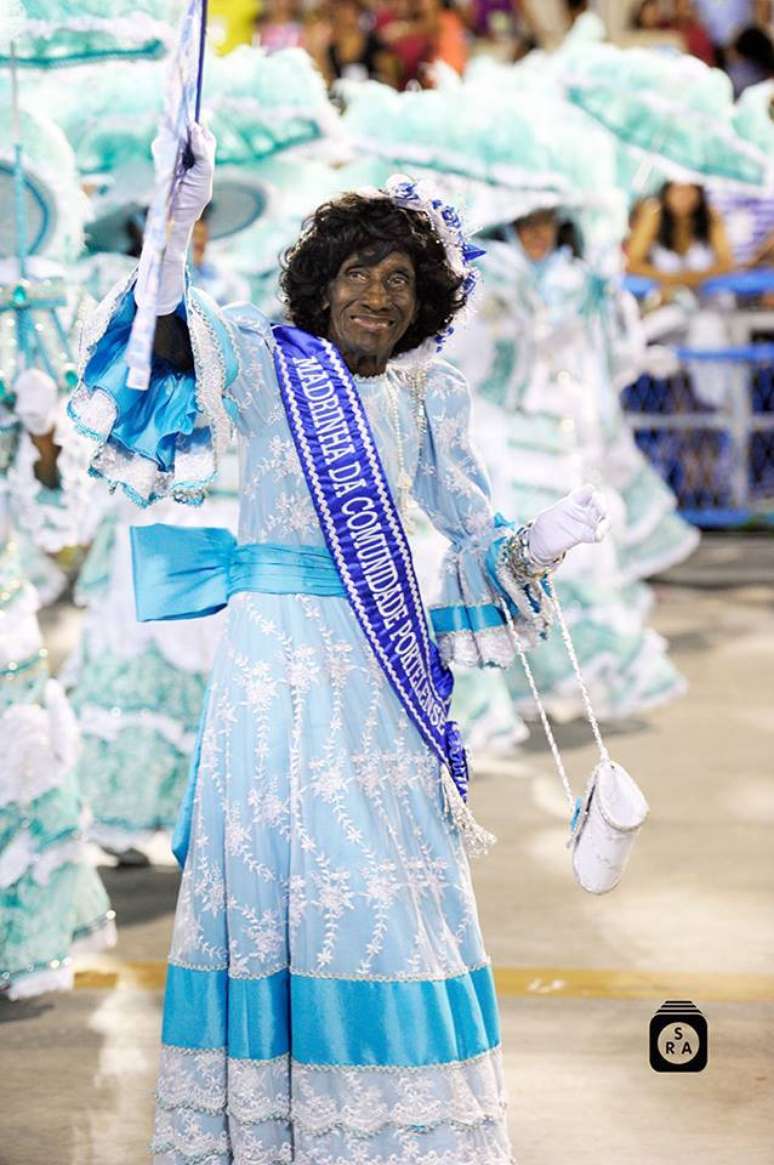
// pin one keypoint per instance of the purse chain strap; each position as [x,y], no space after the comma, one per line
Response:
[570,646]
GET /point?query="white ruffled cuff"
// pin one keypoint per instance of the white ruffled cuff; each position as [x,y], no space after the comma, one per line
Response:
[487,610]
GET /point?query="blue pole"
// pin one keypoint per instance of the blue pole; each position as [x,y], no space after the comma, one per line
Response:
[18,170]
[20,300]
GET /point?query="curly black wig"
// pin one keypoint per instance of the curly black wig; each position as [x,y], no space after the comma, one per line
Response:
[371,228]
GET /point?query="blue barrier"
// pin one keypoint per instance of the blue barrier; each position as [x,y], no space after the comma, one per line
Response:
[709,431]
[754,282]
[638,285]
[741,353]
[718,519]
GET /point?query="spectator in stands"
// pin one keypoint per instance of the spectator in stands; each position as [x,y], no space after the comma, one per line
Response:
[450,36]
[279,26]
[354,50]
[677,239]
[680,242]
[696,39]
[725,19]
[485,14]
[750,59]
[649,16]
[406,27]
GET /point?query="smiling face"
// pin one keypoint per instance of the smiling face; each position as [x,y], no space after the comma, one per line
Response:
[372,305]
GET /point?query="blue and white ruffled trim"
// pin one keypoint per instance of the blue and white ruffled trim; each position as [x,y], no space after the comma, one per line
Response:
[164,441]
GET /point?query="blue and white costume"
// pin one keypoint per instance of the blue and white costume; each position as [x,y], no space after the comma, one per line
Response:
[52,902]
[545,356]
[329,996]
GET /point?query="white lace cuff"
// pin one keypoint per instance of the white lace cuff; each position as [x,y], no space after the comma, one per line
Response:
[489,604]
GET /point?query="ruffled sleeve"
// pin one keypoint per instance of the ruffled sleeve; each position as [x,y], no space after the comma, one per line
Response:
[166,441]
[484,608]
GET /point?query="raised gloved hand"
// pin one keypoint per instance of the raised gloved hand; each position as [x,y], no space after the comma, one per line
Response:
[36,401]
[578,517]
[193,193]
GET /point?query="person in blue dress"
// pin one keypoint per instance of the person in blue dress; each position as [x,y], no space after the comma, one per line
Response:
[329,996]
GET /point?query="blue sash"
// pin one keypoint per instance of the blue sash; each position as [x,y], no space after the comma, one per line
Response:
[365,535]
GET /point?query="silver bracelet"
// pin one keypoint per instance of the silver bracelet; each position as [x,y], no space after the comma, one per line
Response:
[517,559]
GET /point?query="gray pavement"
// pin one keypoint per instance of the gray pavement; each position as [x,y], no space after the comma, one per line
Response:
[579,976]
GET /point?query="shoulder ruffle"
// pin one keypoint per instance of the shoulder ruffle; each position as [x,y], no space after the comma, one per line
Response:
[164,441]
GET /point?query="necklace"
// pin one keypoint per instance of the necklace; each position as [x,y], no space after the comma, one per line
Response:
[404,482]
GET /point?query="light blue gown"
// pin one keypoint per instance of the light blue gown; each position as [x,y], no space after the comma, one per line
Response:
[329,997]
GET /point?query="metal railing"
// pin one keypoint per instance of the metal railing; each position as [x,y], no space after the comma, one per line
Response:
[709,430]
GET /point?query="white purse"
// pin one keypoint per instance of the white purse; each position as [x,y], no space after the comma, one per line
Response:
[611,814]
[607,819]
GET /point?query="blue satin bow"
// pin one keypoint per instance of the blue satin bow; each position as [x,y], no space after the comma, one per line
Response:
[186,573]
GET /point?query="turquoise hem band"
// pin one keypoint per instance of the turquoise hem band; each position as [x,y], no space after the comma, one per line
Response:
[207,1009]
[337,1022]
[362,1022]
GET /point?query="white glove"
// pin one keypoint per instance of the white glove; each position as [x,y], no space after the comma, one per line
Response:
[36,401]
[193,194]
[194,191]
[578,517]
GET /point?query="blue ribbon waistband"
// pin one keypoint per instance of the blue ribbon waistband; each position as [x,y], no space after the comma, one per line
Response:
[185,573]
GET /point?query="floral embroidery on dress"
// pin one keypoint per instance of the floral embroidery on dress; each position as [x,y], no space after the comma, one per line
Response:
[321,859]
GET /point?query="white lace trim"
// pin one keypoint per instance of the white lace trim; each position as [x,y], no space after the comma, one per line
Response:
[189,1138]
[195,461]
[468,584]
[95,322]
[207,1081]
[210,373]
[363,1101]
[490,648]
[144,482]
[95,410]
[398,977]
[58,976]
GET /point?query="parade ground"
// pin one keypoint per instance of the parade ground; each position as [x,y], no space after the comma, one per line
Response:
[579,977]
